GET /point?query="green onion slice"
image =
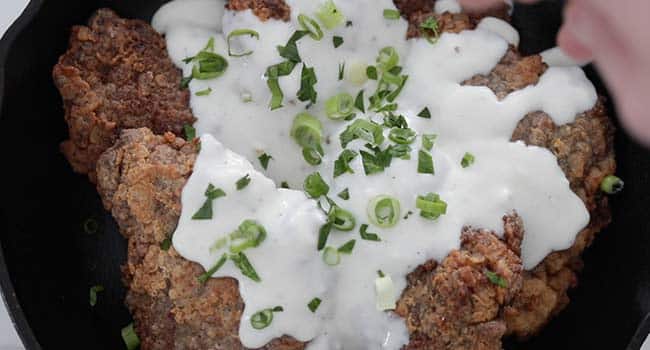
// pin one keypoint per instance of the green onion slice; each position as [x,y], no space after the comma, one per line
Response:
[263,318]
[368,236]
[331,256]
[425,163]
[205,276]
[342,164]
[402,136]
[359,102]
[243,182]
[347,247]
[307,131]
[345,194]
[241,32]
[205,92]
[391,14]
[468,159]
[362,129]
[340,106]
[307,81]
[309,25]
[384,211]
[244,265]
[428,140]
[315,186]
[93,294]
[341,219]
[388,58]
[612,184]
[130,337]
[431,206]
[329,15]
[249,234]
[314,304]
[205,212]
[430,24]
[323,234]
[495,279]
[312,156]
[337,41]
[190,132]
[425,113]
[264,160]
[385,290]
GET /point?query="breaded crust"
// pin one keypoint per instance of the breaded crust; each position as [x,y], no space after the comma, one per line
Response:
[116,75]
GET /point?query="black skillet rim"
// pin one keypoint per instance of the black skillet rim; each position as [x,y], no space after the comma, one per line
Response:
[8,293]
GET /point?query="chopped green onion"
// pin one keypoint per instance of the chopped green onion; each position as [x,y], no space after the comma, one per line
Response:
[329,15]
[205,92]
[331,256]
[341,71]
[345,194]
[612,184]
[307,131]
[93,294]
[377,161]
[342,219]
[395,121]
[337,41]
[468,159]
[314,304]
[323,234]
[315,186]
[273,73]
[384,211]
[243,182]
[284,184]
[399,151]
[190,132]
[380,273]
[402,136]
[391,14]
[205,276]
[356,72]
[494,278]
[359,103]
[309,25]
[130,337]
[241,261]
[387,59]
[347,247]
[205,212]
[276,93]
[340,106]
[264,160]
[307,81]
[430,24]
[428,140]
[290,50]
[249,234]
[425,113]
[209,66]
[263,318]
[362,129]
[342,164]
[385,290]
[166,244]
[185,82]
[368,236]
[425,163]
[240,32]
[220,243]
[371,72]
[431,206]
[312,156]
[408,214]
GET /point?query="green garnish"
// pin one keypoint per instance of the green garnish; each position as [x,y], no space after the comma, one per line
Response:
[425,163]
[309,25]
[240,32]
[273,73]
[377,161]
[384,211]
[312,156]
[331,256]
[371,72]
[399,151]
[359,102]
[387,59]
[130,337]
[290,50]
[205,92]
[207,64]
[190,132]
[314,186]
[347,247]
[431,206]
[307,131]
[329,15]
[345,194]
[395,121]
[368,236]
[428,140]
[341,70]
[468,159]
[241,261]
[340,106]
[381,274]
[337,41]
[307,81]
[205,212]
[391,14]
[166,244]
[402,136]
[249,234]
[494,278]
[206,275]
[314,304]
[243,182]
[263,318]
[362,129]
[342,164]
[612,184]
[425,113]
[284,184]
[93,294]
[264,160]
[341,219]
[428,26]
[323,234]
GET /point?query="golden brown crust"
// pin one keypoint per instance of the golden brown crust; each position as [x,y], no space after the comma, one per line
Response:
[263,9]
[116,75]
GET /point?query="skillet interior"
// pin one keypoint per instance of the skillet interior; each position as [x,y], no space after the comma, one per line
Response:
[51,262]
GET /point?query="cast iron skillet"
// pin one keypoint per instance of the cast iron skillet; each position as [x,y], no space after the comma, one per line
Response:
[48,262]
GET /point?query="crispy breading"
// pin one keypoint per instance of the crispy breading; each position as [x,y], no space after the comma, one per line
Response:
[263,9]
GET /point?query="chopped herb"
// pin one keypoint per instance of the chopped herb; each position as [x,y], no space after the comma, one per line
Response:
[307,82]
[359,103]
[190,132]
[205,92]
[425,163]
[329,15]
[240,32]
[399,151]
[249,234]
[307,131]
[331,256]
[290,50]
[273,73]
[425,113]
[408,214]
[337,41]
[166,244]
[368,236]
[241,261]
[391,14]
[494,278]
[345,194]
[431,206]
[207,64]
[205,212]
[371,72]
[323,234]
[402,136]
[377,161]
[385,290]
[362,129]
[185,82]
[428,140]
[263,318]
[430,25]
[130,337]
[284,184]
[342,164]
[395,121]
[380,273]
[468,159]
[348,24]
[340,106]
[612,184]
[206,275]
[387,59]
[309,25]
[341,219]
[315,186]
[384,211]
[314,304]
[243,182]
[347,247]
[93,294]
[264,160]
[312,156]
[341,70]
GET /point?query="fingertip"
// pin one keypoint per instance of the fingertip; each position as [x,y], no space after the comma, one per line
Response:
[572,46]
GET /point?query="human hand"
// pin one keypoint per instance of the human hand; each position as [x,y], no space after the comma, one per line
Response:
[614,36]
